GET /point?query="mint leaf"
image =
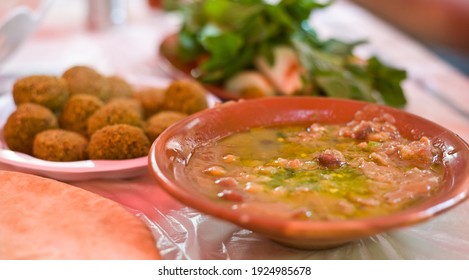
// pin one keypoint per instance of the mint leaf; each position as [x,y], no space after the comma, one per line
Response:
[387,80]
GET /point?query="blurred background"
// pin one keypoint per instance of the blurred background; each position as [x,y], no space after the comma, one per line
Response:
[122,36]
[441,25]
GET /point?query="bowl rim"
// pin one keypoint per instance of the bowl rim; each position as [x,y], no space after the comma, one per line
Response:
[319,230]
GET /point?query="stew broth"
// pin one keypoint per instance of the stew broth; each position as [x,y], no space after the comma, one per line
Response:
[361,169]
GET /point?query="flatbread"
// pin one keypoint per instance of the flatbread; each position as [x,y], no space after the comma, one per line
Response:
[46,219]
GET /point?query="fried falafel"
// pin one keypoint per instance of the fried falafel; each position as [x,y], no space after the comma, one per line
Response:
[156,124]
[60,145]
[186,96]
[48,91]
[151,99]
[130,103]
[22,126]
[120,141]
[86,80]
[118,87]
[113,113]
[76,112]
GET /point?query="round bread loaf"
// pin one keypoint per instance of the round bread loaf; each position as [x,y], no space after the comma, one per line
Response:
[46,219]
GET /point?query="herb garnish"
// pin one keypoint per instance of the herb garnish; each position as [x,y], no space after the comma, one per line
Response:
[225,36]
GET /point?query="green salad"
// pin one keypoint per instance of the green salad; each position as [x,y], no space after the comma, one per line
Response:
[258,47]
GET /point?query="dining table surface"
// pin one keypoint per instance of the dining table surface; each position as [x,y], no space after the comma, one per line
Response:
[434,89]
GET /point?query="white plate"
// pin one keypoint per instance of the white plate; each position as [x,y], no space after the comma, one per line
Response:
[69,171]
[64,171]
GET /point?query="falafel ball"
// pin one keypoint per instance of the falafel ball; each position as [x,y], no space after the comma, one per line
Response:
[48,91]
[130,103]
[160,121]
[23,124]
[60,145]
[186,96]
[76,112]
[151,99]
[85,80]
[114,113]
[120,141]
[118,87]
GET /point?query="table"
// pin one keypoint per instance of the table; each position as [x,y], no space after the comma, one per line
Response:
[435,91]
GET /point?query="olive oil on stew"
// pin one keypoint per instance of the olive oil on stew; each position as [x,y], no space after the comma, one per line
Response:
[362,169]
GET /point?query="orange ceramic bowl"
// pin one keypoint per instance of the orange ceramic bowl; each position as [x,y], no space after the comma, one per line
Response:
[172,150]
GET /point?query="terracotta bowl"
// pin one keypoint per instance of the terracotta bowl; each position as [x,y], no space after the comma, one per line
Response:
[171,151]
